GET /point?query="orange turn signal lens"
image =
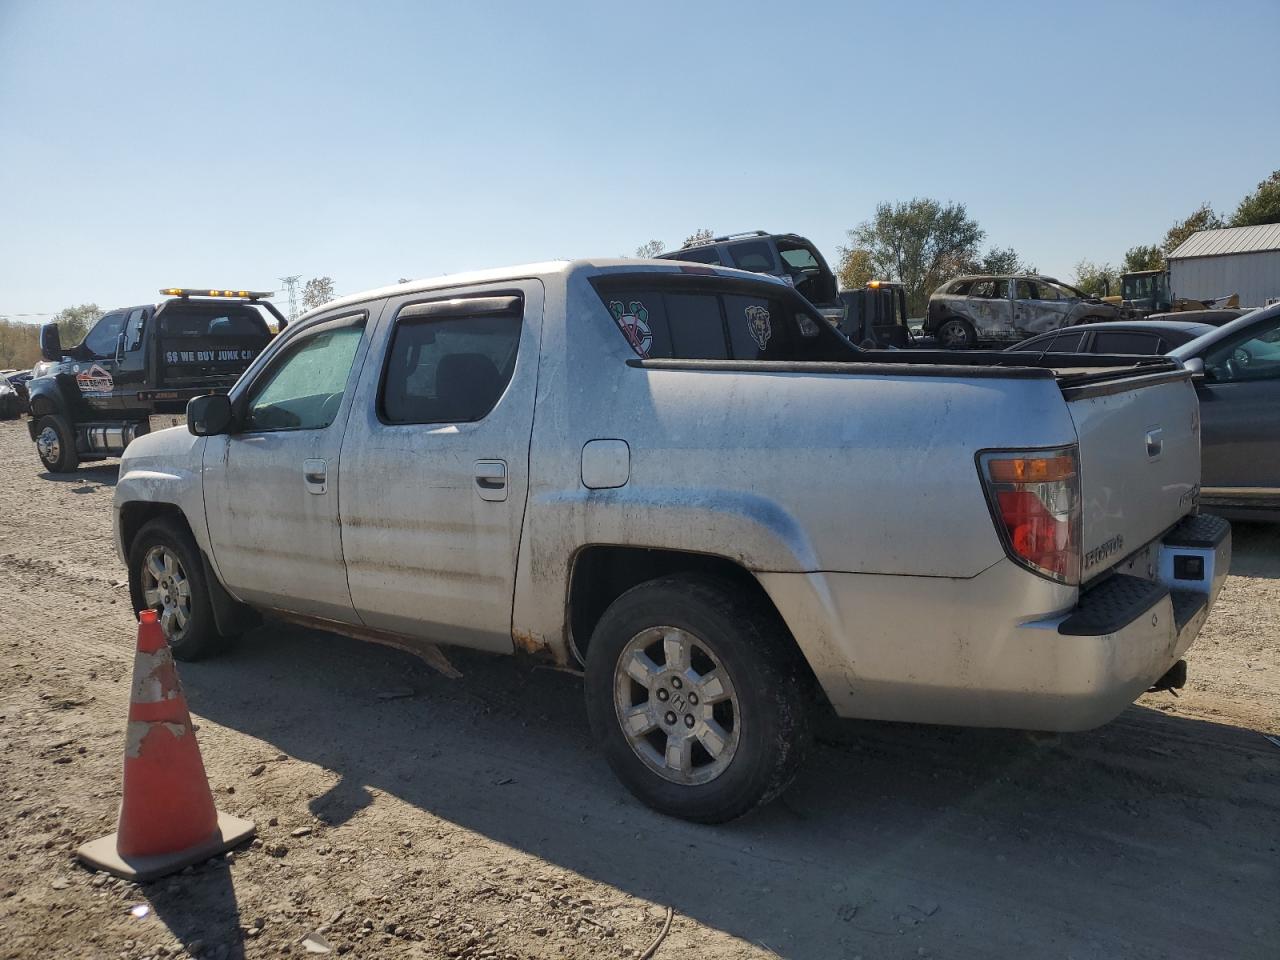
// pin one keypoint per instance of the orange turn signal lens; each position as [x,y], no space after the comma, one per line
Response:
[1031,469]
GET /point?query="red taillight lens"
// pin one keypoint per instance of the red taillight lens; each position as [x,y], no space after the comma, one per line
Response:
[1035,499]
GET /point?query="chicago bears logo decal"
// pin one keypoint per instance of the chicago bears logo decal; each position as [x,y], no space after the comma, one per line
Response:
[759,326]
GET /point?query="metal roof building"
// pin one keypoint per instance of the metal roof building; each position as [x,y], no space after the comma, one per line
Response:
[1218,263]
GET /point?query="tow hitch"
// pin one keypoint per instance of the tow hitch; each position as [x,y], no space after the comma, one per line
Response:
[1175,678]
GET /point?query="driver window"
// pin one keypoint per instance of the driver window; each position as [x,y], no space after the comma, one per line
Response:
[303,390]
[1025,291]
[101,340]
[1049,292]
[1254,358]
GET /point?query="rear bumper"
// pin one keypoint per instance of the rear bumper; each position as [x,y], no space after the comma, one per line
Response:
[955,651]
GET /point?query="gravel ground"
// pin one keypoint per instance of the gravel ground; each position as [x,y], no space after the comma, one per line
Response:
[402,814]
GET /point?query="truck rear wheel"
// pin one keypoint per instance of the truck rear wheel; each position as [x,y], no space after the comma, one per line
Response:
[166,575]
[56,444]
[697,697]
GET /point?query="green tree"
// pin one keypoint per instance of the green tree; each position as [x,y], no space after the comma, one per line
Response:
[1202,219]
[854,269]
[318,290]
[74,322]
[920,243]
[1143,257]
[1097,279]
[654,248]
[1000,261]
[1261,206]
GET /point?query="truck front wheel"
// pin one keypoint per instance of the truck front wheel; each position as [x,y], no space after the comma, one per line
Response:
[56,444]
[697,697]
[166,575]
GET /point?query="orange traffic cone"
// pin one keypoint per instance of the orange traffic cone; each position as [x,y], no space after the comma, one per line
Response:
[167,817]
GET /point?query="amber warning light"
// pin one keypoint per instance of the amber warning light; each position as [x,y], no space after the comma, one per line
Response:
[204,292]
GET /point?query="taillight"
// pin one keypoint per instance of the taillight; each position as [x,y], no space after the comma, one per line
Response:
[1035,501]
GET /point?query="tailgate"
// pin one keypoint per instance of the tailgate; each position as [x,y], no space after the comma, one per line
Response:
[1139,442]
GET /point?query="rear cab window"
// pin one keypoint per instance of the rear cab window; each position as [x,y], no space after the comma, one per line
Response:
[695,318]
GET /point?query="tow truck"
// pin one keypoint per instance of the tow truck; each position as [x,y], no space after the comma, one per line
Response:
[137,367]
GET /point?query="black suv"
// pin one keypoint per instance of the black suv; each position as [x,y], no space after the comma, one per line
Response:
[785,255]
[134,364]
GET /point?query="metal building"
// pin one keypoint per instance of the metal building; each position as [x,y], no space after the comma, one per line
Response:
[1218,263]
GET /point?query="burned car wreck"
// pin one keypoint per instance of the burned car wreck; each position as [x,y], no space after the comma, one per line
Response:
[970,310]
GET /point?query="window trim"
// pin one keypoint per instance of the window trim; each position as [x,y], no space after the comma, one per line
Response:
[359,318]
[433,309]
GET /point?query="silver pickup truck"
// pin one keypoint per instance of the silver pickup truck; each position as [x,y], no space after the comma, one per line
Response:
[682,479]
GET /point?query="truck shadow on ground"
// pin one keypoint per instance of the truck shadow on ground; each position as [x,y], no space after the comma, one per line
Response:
[87,479]
[893,838]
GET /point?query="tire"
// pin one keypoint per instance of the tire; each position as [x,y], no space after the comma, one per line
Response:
[956,334]
[56,444]
[165,568]
[760,718]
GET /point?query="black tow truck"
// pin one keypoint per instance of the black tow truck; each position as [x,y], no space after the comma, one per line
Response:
[137,367]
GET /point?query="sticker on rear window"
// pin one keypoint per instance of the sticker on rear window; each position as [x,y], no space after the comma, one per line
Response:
[758,325]
[633,319]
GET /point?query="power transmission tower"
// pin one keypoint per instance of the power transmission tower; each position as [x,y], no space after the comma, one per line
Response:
[291,284]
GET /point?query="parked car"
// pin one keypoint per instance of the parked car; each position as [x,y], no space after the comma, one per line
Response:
[18,380]
[990,309]
[788,256]
[695,487]
[1237,378]
[91,400]
[10,402]
[1237,369]
[1132,337]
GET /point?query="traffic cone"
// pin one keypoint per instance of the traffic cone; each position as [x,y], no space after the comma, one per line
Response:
[167,817]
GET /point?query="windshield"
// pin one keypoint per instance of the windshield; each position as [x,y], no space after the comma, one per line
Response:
[187,319]
[1140,287]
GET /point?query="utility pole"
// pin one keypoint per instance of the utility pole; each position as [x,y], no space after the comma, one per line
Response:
[291,284]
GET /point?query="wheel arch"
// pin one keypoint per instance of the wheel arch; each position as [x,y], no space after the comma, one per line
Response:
[600,573]
[135,514]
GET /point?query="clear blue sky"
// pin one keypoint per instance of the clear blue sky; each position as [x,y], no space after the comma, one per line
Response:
[154,143]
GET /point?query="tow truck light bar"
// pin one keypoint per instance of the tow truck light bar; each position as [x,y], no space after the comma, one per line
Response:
[236,294]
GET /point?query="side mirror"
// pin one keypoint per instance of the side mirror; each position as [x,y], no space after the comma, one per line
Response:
[209,416]
[50,342]
[1195,365]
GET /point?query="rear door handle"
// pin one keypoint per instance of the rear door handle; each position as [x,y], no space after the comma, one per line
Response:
[315,473]
[491,479]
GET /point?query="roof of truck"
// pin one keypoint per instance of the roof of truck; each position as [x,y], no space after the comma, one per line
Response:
[526,271]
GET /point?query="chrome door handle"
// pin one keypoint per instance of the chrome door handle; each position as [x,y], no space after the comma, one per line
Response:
[315,473]
[491,479]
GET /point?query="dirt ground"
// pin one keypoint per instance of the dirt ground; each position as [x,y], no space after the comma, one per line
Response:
[402,814]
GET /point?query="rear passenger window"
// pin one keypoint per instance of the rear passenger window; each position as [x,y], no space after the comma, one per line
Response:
[706,325]
[449,369]
[1121,342]
[705,254]
[754,255]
